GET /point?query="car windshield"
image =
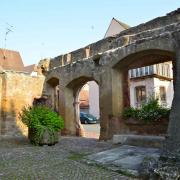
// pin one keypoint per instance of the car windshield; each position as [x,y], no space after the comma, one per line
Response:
[89,116]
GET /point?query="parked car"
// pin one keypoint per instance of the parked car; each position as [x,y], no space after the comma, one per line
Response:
[86,118]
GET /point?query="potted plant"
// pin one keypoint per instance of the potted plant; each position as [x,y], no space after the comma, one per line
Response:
[43,124]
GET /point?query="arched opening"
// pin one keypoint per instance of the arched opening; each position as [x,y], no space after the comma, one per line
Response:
[53,90]
[89,109]
[84,95]
[145,76]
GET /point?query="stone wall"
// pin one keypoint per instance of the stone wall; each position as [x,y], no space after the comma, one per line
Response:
[16,91]
[107,62]
[128,36]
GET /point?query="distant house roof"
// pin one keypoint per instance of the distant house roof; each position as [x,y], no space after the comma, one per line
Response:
[115,27]
[30,68]
[11,60]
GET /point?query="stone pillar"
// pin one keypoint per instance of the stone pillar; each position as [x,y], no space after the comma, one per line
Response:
[64,107]
[79,128]
[173,138]
[69,110]
[105,103]
[126,90]
[169,162]
[111,103]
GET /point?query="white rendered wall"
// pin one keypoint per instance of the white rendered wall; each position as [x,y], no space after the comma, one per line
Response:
[94,98]
[152,87]
[114,28]
[148,83]
[168,87]
[85,87]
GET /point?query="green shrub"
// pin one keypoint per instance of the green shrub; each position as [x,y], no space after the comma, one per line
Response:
[41,119]
[150,111]
[131,112]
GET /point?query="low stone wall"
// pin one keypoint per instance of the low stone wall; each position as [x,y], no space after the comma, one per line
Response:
[17,90]
[147,128]
[120,126]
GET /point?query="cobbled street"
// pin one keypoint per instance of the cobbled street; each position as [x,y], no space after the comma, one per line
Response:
[21,160]
[92,130]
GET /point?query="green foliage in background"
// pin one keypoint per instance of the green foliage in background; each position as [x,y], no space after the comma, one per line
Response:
[149,111]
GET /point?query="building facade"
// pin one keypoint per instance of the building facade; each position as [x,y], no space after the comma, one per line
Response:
[155,81]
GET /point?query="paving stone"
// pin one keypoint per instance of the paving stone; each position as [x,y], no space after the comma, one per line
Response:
[139,140]
[125,158]
[20,160]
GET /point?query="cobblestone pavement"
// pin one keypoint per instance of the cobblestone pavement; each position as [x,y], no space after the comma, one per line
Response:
[20,160]
[92,130]
[91,135]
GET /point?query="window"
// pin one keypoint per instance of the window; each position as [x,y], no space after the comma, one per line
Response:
[167,70]
[150,69]
[132,73]
[140,92]
[141,71]
[162,93]
[146,70]
[163,70]
[137,72]
[157,69]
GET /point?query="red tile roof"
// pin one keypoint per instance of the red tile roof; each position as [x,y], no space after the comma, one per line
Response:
[11,60]
[30,68]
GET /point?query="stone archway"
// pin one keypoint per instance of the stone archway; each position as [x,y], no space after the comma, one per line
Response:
[143,58]
[72,91]
[88,107]
[108,61]
[107,69]
[52,86]
[121,82]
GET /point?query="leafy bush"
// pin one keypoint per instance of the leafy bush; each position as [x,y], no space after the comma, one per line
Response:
[41,119]
[131,112]
[150,111]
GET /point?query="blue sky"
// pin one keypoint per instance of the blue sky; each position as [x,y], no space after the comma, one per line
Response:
[44,28]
